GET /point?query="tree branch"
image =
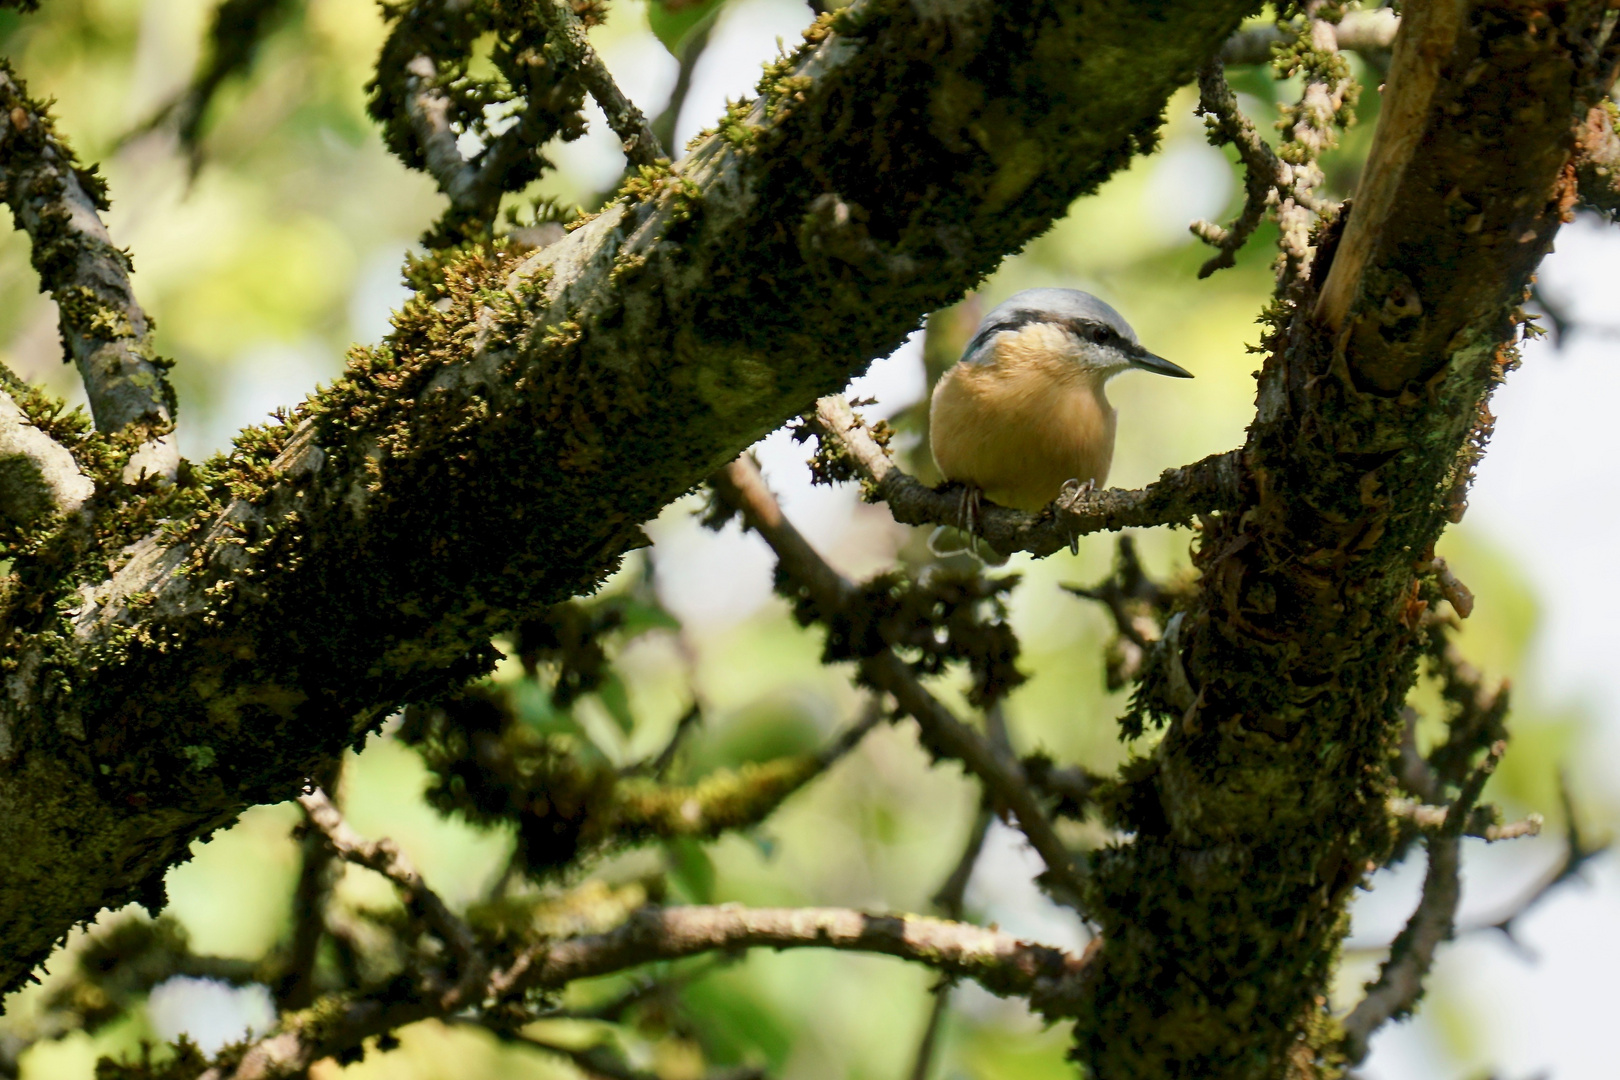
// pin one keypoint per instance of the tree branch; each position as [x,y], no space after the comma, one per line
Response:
[38,476]
[741,487]
[1264,173]
[385,857]
[1400,981]
[296,987]
[949,901]
[104,329]
[641,146]
[999,962]
[1430,818]
[429,109]
[663,126]
[1425,40]
[1175,498]
[500,453]
[599,1062]
[1263,804]
[1049,978]
[1368,32]
[238,30]
[1579,849]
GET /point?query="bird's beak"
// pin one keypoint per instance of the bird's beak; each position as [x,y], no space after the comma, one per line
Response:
[1145,360]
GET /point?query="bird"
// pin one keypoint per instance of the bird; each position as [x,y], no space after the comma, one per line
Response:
[1023,414]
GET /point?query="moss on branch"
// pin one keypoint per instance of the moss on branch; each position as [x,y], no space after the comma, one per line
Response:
[1265,803]
[499,451]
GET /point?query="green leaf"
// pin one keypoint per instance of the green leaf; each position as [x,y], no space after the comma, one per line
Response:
[616,700]
[691,869]
[675,21]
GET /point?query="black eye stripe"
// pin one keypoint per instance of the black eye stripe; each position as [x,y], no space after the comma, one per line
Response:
[1084,329]
[1016,321]
[1096,332]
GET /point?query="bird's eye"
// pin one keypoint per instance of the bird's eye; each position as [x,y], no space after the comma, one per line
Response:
[1098,334]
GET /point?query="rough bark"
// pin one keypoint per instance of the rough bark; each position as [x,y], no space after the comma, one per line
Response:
[1265,804]
[500,451]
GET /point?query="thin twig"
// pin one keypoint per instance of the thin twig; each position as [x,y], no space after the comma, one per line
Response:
[1264,173]
[1412,772]
[1048,977]
[641,146]
[664,125]
[1400,981]
[1178,496]
[1430,818]
[319,1032]
[1479,716]
[239,29]
[740,486]
[1370,33]
[385,857]
[612,1011]
[689,722]
[104,327]
[1578,851]
[1129,595]
[601,1061]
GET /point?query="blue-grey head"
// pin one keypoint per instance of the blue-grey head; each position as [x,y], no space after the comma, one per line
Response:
[1093,335]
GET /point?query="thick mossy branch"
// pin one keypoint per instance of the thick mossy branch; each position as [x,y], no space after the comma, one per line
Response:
[1266,801]
[39,478]
[105,332]
[498,453]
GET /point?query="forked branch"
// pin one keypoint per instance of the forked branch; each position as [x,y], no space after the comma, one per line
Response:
[741,487]
[568,36]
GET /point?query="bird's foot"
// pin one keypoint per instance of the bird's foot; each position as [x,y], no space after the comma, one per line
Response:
[964,538]
[1072,491]
[970,509]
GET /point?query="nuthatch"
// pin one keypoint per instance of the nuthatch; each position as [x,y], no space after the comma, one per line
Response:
[1023,412]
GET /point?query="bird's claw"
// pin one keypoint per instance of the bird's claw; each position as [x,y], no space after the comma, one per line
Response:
[969,509]
[1073,491]
[969,518]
